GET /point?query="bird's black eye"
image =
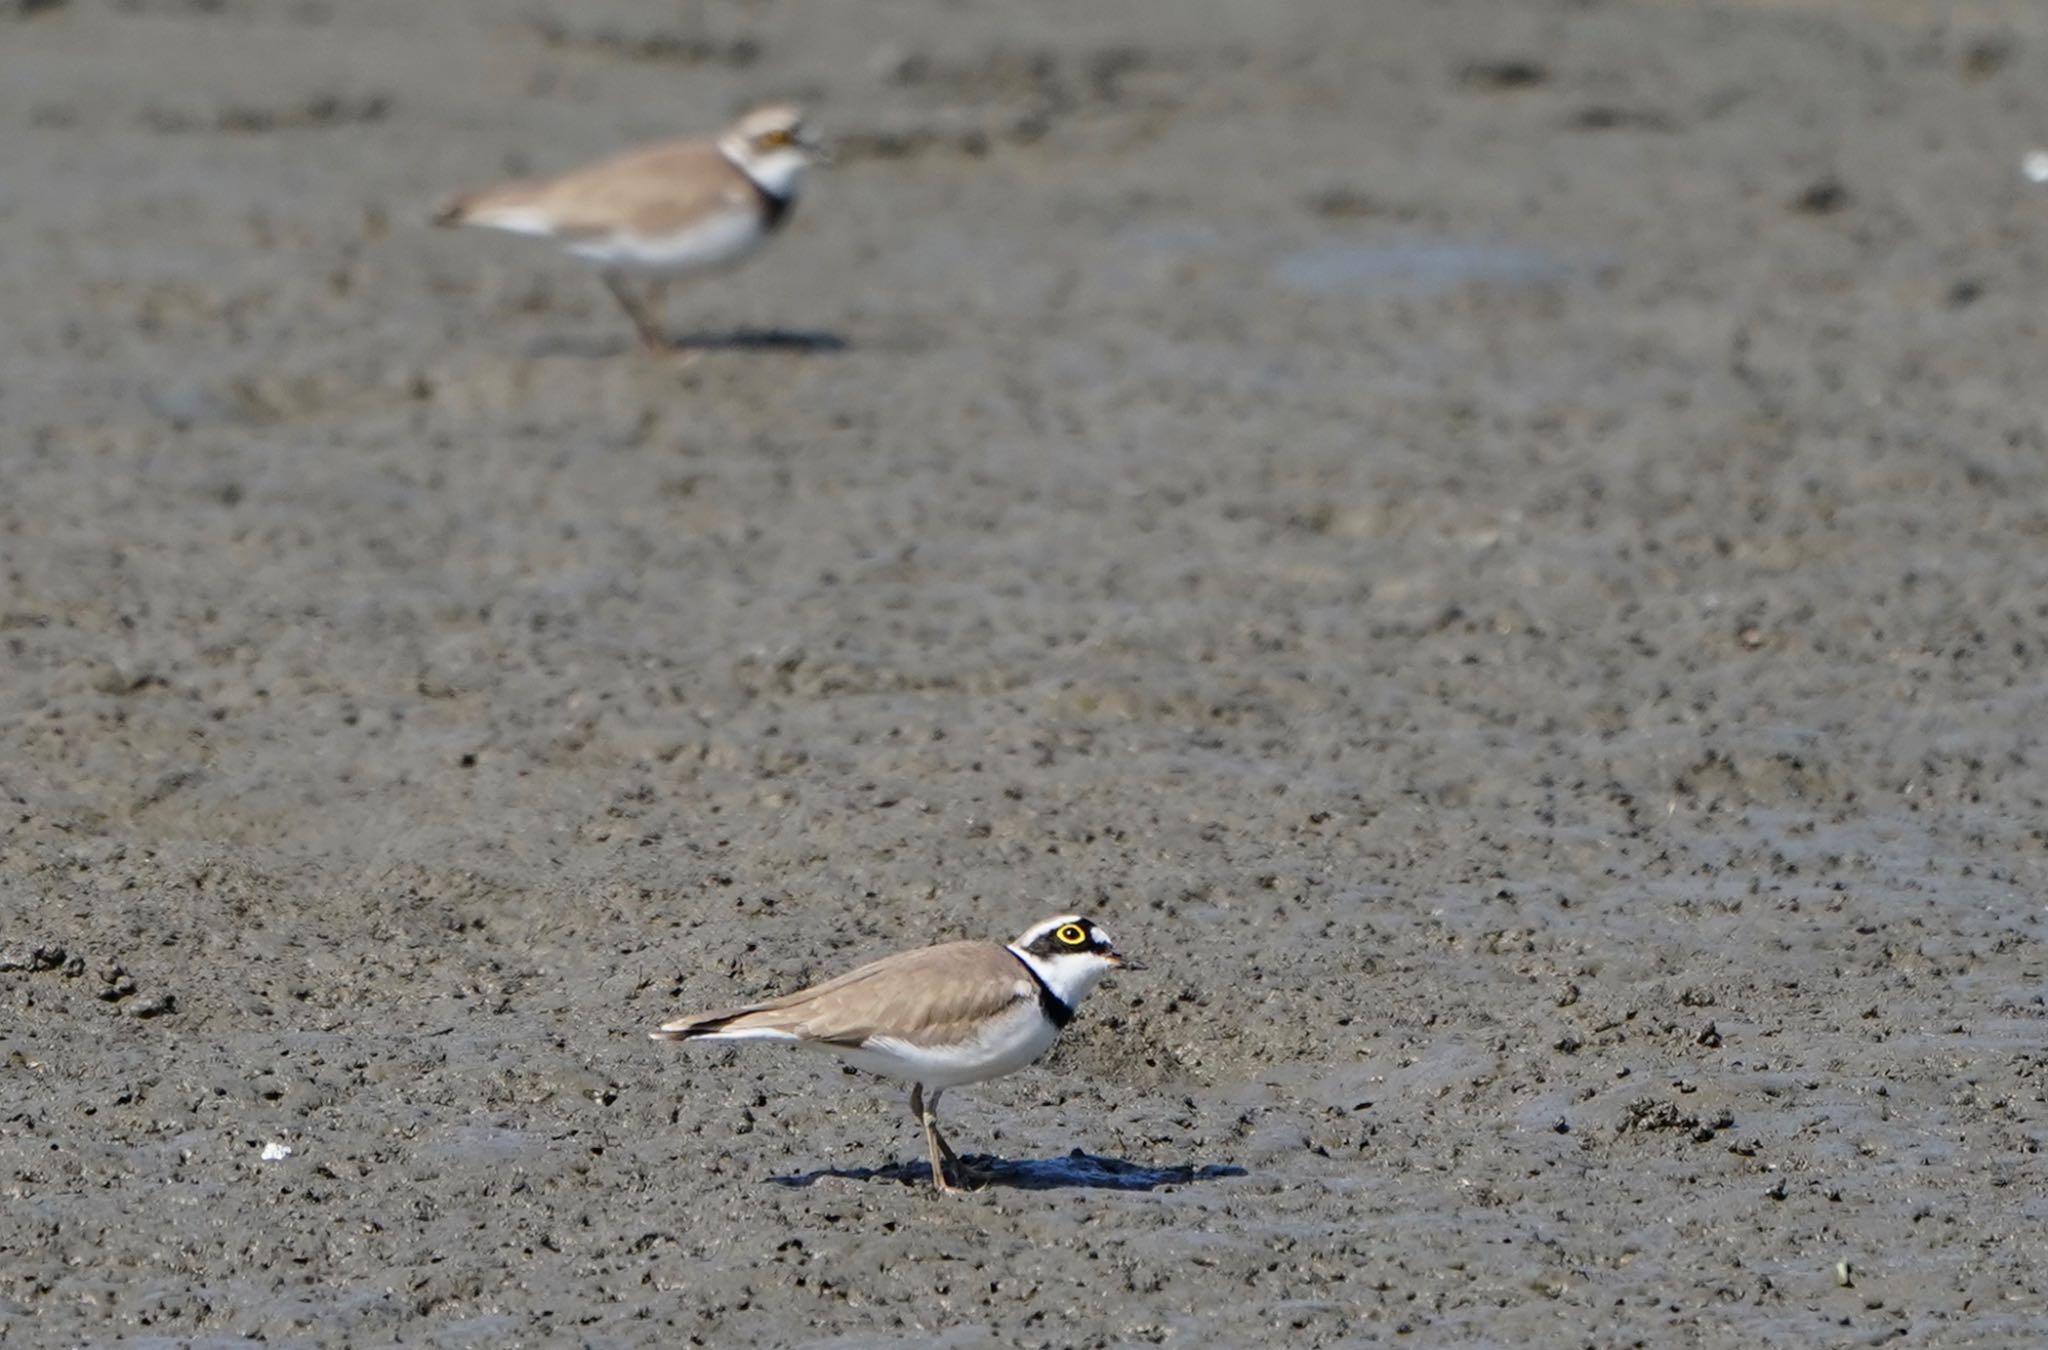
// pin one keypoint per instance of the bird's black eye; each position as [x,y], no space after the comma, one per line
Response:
[1073,935]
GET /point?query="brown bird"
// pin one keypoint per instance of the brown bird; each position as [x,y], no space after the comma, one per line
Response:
[662,211]
[937,1017]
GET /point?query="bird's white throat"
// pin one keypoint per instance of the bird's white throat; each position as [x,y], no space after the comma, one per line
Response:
[779,173]
[1070,975]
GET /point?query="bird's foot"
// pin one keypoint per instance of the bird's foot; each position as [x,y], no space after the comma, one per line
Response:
[966,1178]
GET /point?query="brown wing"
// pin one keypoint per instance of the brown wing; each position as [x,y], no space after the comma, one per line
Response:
[651,191]
[932,996]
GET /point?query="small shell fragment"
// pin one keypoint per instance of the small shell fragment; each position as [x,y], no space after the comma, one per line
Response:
[1844,1276]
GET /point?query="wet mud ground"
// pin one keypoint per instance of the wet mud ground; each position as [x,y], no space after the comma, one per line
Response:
[1499,546]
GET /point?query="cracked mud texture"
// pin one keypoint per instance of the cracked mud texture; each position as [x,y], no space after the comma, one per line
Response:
[1501,548]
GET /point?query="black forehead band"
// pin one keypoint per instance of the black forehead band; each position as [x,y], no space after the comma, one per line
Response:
[1048,943]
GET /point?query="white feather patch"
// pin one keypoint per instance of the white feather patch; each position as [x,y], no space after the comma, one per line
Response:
[514,220]
[1003,1044]
[748,1034]
[713,242]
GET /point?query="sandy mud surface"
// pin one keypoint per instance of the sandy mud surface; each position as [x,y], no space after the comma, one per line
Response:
[1502,547]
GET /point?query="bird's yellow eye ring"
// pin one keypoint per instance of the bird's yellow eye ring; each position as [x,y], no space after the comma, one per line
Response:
[1073,935]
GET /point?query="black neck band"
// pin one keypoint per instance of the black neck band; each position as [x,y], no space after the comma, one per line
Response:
[774,209]
[1056,1012]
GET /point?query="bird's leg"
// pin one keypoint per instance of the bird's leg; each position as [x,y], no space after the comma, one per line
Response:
[924,1118]
[638,310]
[969,1177]
[927,1111]
[945,1149]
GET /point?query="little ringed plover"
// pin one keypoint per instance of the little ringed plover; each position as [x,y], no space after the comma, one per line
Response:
[937,1017]
[661,211]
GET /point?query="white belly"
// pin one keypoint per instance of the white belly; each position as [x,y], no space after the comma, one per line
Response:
[1005,1045]
[716,241]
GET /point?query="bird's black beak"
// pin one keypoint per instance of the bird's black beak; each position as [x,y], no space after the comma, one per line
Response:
[1121,962]
[819,152]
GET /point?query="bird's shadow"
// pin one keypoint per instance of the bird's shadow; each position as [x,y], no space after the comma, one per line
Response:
[1075,1171]
[796,341]
[801,341]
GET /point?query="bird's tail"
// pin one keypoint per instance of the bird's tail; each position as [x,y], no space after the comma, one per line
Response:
[499,206]
[729,1024]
